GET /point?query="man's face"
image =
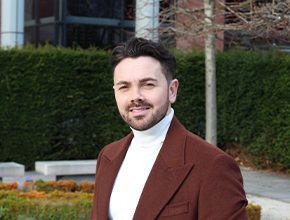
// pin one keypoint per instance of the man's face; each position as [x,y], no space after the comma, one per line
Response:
[142,93]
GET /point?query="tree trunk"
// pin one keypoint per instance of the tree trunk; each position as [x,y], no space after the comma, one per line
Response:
[210,69]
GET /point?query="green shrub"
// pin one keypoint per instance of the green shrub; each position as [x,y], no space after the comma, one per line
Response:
[254,105]
[58,104]
[273,142]
[61,185]
[190,105]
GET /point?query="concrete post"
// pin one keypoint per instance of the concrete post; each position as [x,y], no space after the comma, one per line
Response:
[12,23]
[147,19]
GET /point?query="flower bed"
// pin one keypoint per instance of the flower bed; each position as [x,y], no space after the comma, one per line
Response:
[41,205]
[58,200]
[65,186]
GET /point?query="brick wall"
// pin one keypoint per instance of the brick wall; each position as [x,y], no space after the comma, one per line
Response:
[190,42]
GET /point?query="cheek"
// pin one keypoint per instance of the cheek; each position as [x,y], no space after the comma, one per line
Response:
[159,99]
[120,100]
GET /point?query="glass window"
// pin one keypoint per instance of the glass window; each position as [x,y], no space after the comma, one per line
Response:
[45,34]
[128,33]
[29,10]
[45,11]
[29,16]
[95,8]
[129,9]
[88,35]
[29,35]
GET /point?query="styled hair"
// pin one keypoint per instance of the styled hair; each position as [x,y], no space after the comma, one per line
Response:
[137,47]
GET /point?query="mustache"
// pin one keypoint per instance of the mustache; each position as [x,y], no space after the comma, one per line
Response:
[138,105]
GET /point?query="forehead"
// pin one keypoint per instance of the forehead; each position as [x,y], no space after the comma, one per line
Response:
[130,69]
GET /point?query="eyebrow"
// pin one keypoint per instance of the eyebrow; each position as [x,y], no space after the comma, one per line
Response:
[140,81]
[122,82]
[147,79]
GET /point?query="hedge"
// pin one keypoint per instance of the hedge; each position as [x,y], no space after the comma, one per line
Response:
[58,104]
[254,104]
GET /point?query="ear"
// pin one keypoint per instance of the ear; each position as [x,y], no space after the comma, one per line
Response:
[173,87]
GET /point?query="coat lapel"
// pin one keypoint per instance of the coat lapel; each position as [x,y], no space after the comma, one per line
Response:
[167,174]
[110,164]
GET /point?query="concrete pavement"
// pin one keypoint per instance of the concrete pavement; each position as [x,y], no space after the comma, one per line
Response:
[269,191]
[266,185]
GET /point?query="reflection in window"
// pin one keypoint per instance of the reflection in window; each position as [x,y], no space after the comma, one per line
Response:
[45,11]
[86,36]
[29,35]
[42,16]
[101,37]
[95,8]
[129,9]
[29,16]
[29,10]
[46,34]
[128,33]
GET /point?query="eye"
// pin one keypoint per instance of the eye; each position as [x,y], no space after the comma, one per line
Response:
[149,84]
[123,87]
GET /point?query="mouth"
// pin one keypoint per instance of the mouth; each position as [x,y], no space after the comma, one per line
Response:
[136,110]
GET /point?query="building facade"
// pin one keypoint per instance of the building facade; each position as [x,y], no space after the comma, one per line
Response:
[67,23]
[104,24]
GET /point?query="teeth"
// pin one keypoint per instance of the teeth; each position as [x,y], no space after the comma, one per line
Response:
[139,110]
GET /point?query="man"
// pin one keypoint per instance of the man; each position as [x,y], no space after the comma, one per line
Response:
[160,170]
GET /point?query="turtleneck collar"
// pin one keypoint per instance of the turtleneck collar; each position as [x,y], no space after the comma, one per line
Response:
[154,135]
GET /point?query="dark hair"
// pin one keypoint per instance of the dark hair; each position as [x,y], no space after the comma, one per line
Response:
[137,47]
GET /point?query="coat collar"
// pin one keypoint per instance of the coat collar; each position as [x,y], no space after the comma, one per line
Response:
[167,174]
[172,154]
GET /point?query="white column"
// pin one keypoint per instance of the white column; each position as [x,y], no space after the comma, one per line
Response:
[12,23]
[147,18]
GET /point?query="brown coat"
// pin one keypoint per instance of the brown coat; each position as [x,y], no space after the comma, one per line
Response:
[190,179]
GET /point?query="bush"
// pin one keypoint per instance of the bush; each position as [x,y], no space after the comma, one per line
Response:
[273,142]
[38,205]
[63,186]
[254,105]
[58,104]
[253,212]
[8,186]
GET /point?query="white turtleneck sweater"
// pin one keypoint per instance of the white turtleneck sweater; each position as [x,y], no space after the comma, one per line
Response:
[135,169]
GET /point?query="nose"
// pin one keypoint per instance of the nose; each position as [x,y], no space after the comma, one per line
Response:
[136,96]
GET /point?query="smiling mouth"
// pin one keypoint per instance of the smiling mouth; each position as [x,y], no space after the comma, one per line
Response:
[138,110]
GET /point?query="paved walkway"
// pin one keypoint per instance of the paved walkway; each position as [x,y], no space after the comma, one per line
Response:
[269,191]
[266,185]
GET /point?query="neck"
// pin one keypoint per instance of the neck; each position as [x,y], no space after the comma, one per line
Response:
[154,135]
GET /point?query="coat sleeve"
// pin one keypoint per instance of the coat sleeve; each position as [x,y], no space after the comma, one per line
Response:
[94,207]
[222,195]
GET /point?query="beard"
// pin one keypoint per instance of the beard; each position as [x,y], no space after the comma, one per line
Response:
[145,122]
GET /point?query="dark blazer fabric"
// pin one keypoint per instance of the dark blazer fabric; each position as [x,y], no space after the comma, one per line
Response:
[190,179]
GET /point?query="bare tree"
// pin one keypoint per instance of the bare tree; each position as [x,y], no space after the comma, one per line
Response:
[263,20]
[258,19]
